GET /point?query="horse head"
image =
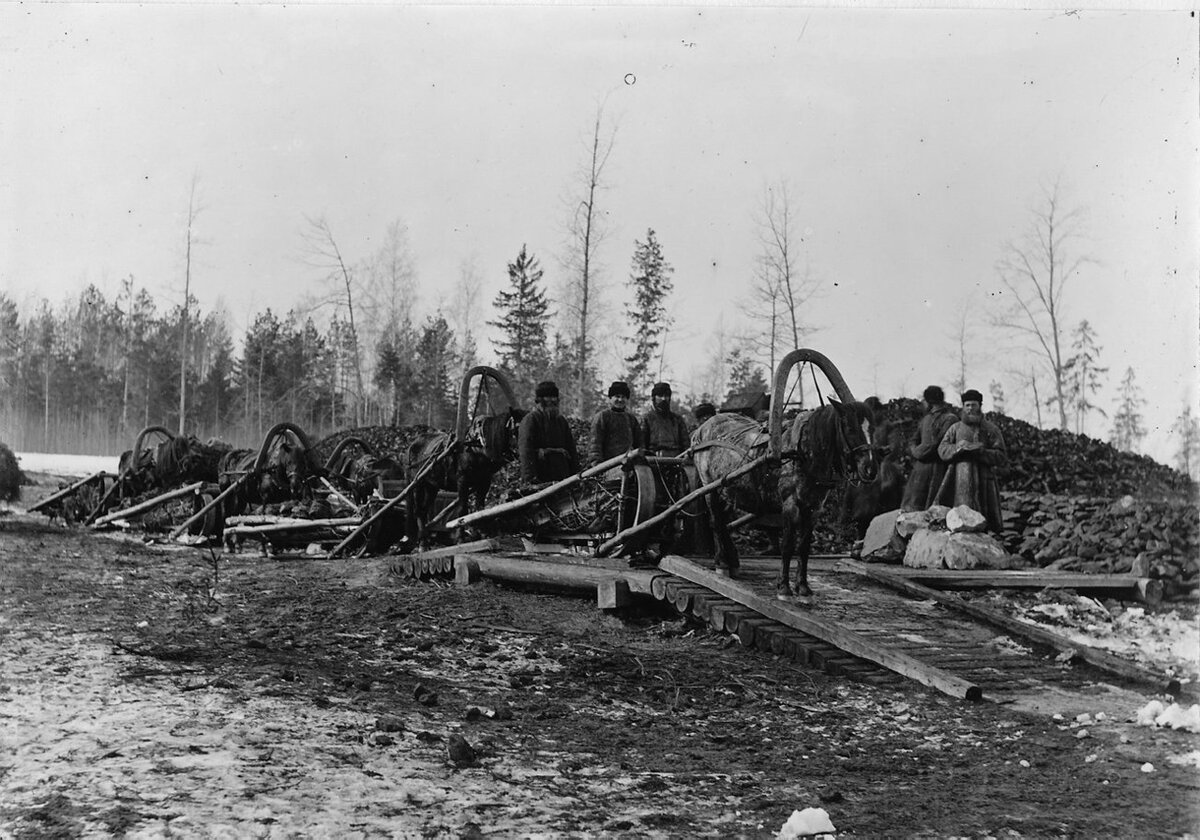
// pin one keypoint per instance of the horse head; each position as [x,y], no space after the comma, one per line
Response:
[498,435]
[859,456]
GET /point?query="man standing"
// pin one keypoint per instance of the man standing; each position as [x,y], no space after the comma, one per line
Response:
[544,442]
[614,430]
[663,431]
[973,448]
[928,467]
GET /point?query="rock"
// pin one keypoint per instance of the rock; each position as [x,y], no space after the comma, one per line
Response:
[964,519]
[1140,566]
[389,723]
[910,522]
[461,753]
[879,533]
[931,549]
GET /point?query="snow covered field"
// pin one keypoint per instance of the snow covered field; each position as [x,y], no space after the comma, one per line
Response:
[57,464]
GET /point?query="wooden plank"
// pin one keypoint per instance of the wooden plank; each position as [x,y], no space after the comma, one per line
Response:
[466,571]
[613,594]
[148,505]
[66,491]
[847,640]
[1100,658]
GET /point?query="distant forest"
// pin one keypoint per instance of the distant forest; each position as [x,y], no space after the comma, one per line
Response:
[87,376]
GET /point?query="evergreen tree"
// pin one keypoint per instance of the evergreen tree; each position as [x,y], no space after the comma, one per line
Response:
[524,316]
[1187,429]
[744,374]
[1127,430]
[651,285]
[435,385]
[996,389]
[1083,375]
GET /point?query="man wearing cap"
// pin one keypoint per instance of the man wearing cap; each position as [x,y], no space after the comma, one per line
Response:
[663,431]
[614,430]
[544,442]
[703,411]
[928,467]
[973,448]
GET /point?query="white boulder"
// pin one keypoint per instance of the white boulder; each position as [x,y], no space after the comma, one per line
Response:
[964,519]
[931,549]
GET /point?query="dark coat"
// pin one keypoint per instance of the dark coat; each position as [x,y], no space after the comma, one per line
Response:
[664,434]
[546,448]
[971,475]
[928,467]
[613,433]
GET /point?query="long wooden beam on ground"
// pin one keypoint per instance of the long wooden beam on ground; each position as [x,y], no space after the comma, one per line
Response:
[847,640]
[291,526]
[148,505]
[66,491]
[575,576]
[1100,658]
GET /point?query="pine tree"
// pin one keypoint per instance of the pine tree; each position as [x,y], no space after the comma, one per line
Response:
[744,374]
[996,389]
[1187,428]
[435,386]
[1127,430]
[524,316]
[651,285]
[1082,375]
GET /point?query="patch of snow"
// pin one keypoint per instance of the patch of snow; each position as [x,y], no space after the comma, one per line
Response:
[1175,716]
[71,465]
[807,823]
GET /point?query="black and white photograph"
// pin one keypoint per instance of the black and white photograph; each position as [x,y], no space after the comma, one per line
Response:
[509,420]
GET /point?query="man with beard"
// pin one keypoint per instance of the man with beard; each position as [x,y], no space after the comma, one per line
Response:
[974,449]
[928,467]
[663,431]
[545,443]
[614,430]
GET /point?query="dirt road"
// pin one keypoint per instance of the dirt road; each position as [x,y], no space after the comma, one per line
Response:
[151,692]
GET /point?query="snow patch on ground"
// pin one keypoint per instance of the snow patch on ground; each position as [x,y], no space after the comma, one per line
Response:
[70,465]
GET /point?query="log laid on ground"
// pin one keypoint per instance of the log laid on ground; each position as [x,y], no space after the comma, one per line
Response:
[148,505]
[516,568]
[292,525]
[455,550]
[1114,585]
[1100,658]
[67,491]
[828,631]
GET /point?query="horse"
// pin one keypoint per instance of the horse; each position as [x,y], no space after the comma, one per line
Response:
[182,460]
[820,448]
[491,444]
[863,502]
[284,475]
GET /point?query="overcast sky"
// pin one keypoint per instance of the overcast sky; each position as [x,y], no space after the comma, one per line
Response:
[915,144]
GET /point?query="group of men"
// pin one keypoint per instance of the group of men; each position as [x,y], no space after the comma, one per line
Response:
[956,457]
[546,446]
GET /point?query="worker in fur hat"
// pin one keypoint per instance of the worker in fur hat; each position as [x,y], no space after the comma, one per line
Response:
[663,431]
[973,449]
[544,442]
[615,430]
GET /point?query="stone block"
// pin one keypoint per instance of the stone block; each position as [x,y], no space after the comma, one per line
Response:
[879,534]
[964,519]
[926,549]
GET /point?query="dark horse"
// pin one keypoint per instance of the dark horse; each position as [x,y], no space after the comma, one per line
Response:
[863,502]
[284,474]
[491,444]
[821,448]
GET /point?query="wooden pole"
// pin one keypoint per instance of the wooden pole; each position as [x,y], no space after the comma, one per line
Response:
[293,525]
[66,491]
[545,492]
[196,517]
[451,447]
[147,505]
[848,640]
[712,486]
[345,499]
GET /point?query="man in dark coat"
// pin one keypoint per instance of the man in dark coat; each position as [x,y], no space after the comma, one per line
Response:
[663,431]
[544,442]
[704,411]
[928,467]
[973,448]
[614,430]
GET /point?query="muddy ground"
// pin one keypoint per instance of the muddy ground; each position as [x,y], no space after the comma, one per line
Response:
[150,691]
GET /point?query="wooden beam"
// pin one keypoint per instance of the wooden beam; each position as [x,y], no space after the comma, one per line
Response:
[466,571]
[66,491]
[148,505]
[455,550]
[613,594]
[1100,658]
[847,640]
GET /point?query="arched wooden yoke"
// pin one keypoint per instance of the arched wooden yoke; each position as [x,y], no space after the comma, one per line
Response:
[464,396]
[345,443]
[278,429]
[779,385]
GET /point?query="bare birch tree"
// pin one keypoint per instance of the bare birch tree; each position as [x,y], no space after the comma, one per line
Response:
[586,231]
[322,252]
[1035,270]
[193,213]
[783,283]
